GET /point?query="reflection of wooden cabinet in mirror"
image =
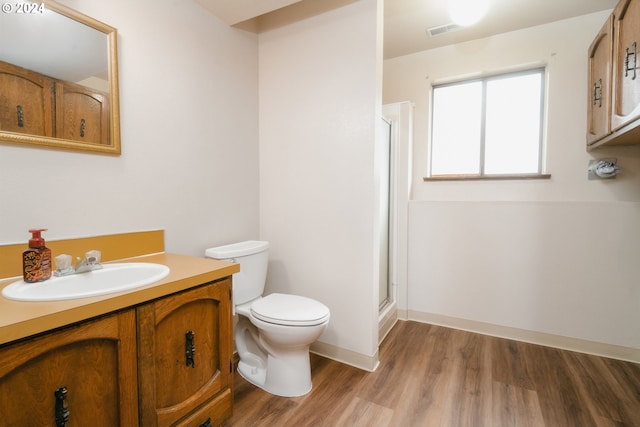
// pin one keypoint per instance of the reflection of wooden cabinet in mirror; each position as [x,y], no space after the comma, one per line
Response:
[25,101]
[28,106]
[613,115]
[82,114]
[69,47]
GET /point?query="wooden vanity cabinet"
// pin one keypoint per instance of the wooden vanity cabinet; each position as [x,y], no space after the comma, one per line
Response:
[184,357]
[95,361]
[26,101]
[613,115]
[166,362]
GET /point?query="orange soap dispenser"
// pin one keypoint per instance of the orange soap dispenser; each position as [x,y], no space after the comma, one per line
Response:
[36,261]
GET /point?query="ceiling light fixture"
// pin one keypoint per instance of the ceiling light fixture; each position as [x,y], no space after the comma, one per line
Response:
[467,12]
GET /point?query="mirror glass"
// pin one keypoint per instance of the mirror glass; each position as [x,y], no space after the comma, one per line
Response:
[58,78]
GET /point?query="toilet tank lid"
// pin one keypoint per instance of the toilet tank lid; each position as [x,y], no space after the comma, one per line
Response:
[237,249]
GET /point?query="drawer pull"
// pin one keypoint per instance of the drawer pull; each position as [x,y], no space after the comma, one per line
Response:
[628,64]
[190,349]
[83,125]
[206,423]
[62,412]
[20,116]
[597,93]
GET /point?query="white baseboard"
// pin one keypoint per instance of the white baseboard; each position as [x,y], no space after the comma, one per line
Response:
[566,343]
[386,320]
[358,360]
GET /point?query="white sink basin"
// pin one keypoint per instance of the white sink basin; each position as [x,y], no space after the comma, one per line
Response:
[111,278]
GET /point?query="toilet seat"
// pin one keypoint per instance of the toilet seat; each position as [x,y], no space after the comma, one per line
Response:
[290,310]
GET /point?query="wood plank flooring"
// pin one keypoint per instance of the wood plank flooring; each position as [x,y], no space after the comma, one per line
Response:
[435,376]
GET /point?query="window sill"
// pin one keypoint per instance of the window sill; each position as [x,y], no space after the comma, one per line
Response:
[487,177]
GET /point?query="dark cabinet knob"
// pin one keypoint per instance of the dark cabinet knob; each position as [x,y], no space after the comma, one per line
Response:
[630,60]
[20,115]
[190,349]
[62,412]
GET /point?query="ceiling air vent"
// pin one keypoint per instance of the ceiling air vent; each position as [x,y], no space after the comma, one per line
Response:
[443,29]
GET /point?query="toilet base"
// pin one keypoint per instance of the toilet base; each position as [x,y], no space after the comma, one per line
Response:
[255,376]
[288,376]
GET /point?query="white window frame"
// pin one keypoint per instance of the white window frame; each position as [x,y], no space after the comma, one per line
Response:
[482,175]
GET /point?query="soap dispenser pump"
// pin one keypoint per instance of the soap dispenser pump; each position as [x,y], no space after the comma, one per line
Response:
[36,260]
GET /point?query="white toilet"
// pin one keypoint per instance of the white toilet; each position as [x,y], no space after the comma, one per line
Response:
[273,333]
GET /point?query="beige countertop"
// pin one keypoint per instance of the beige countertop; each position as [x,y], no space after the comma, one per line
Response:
[19,319]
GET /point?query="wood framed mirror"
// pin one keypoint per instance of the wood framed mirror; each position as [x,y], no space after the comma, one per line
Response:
[58,78]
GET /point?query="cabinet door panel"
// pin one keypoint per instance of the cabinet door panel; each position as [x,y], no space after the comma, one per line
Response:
[95,361]
[626,66]
[25,101]
[181,378]
[172,386]
[599,102]
[81,114]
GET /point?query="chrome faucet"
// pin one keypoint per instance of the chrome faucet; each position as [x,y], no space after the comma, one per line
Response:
[89,263]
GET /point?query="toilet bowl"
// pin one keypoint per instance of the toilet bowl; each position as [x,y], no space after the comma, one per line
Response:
[273,332]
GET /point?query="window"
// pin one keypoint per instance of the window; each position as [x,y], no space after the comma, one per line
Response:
[490,127]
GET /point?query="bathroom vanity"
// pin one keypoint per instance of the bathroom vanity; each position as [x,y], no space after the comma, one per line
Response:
[158,355]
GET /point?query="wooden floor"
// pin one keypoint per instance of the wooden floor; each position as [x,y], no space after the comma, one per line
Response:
[435,376]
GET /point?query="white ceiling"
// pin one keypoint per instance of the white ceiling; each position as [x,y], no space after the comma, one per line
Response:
[406,21]
[235,11]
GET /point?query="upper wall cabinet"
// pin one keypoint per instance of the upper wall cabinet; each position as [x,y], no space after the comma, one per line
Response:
[613,115]
[599,105]
[626,67]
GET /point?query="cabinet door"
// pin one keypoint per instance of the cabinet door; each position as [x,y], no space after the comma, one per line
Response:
[626,64]
[96,363]
[599,102]
[25,101]
[82,114]
[184,357]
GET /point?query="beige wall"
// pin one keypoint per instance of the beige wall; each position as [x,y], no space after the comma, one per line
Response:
[320,91]
[553,256]
[189,160]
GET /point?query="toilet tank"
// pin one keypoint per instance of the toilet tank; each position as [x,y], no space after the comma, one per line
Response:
[253,257]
